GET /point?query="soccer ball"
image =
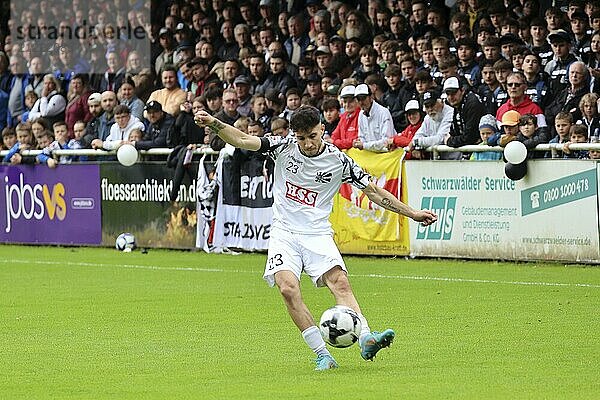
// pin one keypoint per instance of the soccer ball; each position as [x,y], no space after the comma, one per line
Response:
[340,326]
[125,242]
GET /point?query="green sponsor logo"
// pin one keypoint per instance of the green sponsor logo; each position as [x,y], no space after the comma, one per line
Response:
[561,191]
[445,208]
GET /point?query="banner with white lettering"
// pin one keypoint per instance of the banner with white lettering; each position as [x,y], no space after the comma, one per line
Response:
[244,214]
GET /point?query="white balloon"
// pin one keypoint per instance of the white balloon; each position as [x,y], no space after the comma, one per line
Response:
[515,152]
[127,155]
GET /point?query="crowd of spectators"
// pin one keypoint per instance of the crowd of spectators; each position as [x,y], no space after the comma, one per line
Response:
[385,74]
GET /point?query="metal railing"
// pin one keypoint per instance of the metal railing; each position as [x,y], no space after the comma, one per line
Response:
[555,150]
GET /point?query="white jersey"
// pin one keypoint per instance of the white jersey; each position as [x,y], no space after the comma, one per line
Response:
[304,187]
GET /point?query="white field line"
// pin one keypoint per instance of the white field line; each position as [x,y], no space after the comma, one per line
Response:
[238,271]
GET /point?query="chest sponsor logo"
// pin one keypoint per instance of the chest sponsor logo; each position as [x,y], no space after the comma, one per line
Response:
[300,195]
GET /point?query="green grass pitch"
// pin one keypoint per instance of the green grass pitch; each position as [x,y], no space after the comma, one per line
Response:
[90,323]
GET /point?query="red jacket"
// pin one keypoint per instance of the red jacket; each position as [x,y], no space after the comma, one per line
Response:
[525,107]
[77,110]
[346,131]
[404,138]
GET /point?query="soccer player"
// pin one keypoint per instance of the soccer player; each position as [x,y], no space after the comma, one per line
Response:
[308,173]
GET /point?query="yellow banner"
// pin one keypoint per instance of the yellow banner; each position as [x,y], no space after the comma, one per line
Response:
[362,227]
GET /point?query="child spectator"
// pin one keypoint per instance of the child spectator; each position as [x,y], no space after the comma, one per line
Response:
[595,154]
[24,142]
[530,134]
[347,129]
[562,124]
[30,98]
[280,127]
[589,114]
[44,140]
[577,134]
[415,119]
[292,102]
[9,138]
[260,111]
[255,128]
[331,114]
[135,135]
[488,130]
[242,124]
[61,142]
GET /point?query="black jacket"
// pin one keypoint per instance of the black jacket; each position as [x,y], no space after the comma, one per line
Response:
[157,134]
[465,123]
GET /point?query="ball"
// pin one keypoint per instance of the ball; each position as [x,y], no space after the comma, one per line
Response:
[340,326]
[127,155]
[125,242]
[515,152]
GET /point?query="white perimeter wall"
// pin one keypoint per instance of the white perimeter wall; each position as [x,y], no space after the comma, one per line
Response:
[551,214]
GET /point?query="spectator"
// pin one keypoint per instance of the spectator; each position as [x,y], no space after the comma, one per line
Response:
[346,131]
[568,98]
[260,111]
[231,69]
[391,98]
[77,107]
[488,130]
[258,73]
[34,80]
[579,27]
[184,131]
[468,67]
[108,102]
[331,114]
[510,127]
[52,103]
[214,100]
[436,124]
[127,96]
[92,129]
[9,138]
[415,120]
[120,130]
[577,134]
[24,141]
[557,68]
[280,127]
[468,111]
[279,79]
[538,89]
[530,135]
[375,123]
[368,63]
[115,73]
[487,90]
[171,96]
[519,101]
[539,42]
[292,103]
[61,142]
[295,46]
[588,108]
[241,85]
[160,124]
[167,44]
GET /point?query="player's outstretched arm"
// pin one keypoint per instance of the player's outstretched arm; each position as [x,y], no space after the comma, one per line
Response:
[228,133]
[388,201]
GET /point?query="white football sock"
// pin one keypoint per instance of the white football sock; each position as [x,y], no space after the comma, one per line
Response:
[314,340]
[364,330]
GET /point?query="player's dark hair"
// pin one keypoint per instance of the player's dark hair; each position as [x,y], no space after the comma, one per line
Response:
[304,119]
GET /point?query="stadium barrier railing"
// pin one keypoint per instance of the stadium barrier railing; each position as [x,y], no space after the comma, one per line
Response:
[555,150]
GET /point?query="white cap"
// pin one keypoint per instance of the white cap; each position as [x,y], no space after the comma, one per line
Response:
[412,105]
[451,84]
[362,90]
[348,91]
